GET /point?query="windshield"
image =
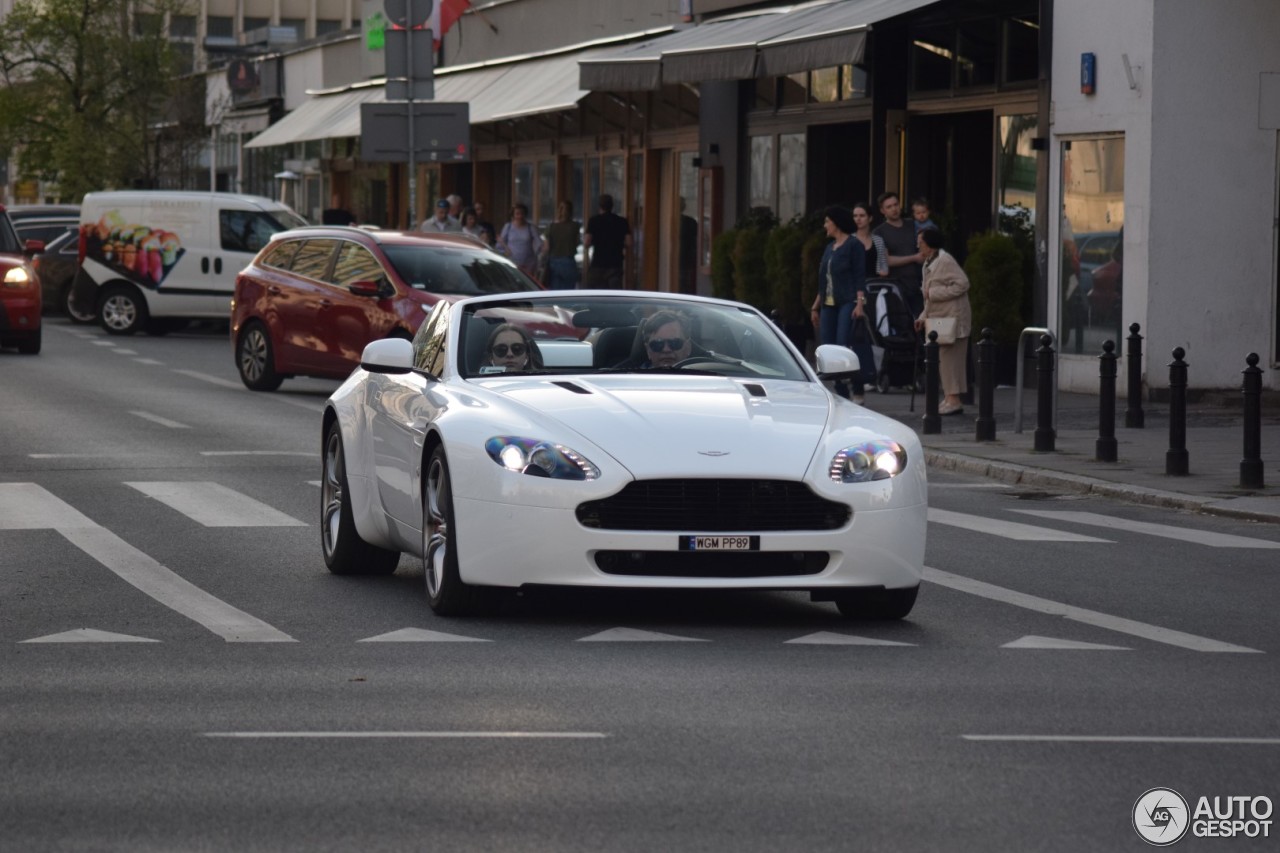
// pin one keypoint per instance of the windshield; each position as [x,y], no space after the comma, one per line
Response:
[564,333]
[458,271]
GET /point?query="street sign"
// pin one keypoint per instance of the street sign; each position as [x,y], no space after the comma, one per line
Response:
[408,13]
[441,132]
[398,45]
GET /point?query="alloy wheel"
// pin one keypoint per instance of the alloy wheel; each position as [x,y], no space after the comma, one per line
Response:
[435,530]
[332,494]
[253,354]
[119,312]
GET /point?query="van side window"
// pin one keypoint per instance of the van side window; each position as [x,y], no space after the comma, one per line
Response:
[246,230]
[356,263]
[313,258]
[281,255]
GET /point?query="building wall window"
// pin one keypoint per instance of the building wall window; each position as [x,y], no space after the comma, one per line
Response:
[791,175]
[1091,230]
[761,178]
[975,52]
[255,23]
[324,26]
[1016,167]
[299,26]
[221,26]
[182,26]
[1021,50]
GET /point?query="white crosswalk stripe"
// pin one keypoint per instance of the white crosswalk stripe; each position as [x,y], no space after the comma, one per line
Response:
[1166,531]
[1006,529]
[214,505]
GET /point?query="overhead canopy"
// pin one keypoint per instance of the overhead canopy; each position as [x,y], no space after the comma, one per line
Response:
[495,92]
[768,43]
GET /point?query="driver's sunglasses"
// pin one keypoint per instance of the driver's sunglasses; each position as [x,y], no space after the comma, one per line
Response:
[500,350]
[672,344]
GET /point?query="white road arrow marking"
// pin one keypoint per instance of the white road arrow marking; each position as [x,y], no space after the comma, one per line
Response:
[1031,641]
[1006,529]
[214,505]
[159,420]
[421,635]
[1182,534]
[90,635]
[827,638]
[634,635]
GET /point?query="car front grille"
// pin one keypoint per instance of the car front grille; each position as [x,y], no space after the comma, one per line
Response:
[714,506]
[727,564]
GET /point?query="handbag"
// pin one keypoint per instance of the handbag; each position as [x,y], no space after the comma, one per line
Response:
[944,326]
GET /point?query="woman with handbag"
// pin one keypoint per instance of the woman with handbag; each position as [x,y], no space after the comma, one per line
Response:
[841,302]
[946,311]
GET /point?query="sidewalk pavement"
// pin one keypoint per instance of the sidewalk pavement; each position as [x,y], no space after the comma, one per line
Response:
[1215,446]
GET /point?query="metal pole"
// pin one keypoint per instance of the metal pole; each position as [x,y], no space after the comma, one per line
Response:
[1105,448]
[1176,460]
[413,160]
[1045,433]
[1251,476]
[985,426]
[1133,416]
[932,420]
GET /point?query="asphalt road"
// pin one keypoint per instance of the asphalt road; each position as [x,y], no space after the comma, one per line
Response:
[1065,656]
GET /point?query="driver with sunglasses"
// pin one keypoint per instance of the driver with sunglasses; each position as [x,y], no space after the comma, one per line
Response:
[666,341]
[511,350]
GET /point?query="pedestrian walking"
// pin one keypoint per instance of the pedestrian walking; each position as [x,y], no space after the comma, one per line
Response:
[472,228]
[561,248]
[872,244]
[904,256]
[605,246]
[946,299]
[520,240]
[440,222]
[842,298]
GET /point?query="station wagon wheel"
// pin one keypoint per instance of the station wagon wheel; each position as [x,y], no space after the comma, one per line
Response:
[78,317]
[122,310]
[345,553]
[446,593]
[255,359]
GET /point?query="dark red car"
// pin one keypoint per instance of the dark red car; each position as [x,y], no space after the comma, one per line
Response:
[314,297]
[20,298]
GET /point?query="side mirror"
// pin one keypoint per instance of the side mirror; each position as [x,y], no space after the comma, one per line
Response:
[371,289]
[390,355]
[834,361]
[32,247]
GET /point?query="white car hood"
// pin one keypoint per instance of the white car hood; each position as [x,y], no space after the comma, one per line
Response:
[686,426]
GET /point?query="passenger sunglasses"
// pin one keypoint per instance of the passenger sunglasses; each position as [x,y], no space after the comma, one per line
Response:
[500,350]
[672,344]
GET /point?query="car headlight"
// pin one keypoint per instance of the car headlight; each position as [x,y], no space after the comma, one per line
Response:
[17,278]
[540,458]
[871,460]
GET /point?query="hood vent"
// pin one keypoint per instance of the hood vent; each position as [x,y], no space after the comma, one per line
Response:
[571,386]
[754,389]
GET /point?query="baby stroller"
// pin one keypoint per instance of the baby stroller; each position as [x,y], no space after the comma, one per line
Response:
[893,330]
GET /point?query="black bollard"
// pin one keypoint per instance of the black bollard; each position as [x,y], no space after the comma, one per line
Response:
[1176,459]
[1251,465]
[1045,434]
[1105,448]
[1133,416]
[984,428]
[932,420]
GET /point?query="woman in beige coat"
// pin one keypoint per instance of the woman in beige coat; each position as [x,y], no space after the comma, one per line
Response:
[946,294]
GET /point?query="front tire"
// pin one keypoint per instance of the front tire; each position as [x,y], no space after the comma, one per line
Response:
[31,345]
[122,310]
[255,359]
[447,595]
[79,318]
[884,604]
[345,553]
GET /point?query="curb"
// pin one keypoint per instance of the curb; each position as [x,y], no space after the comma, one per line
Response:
[1025,475]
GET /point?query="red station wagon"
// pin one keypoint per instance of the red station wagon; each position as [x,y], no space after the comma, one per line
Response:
[314,297]
[20,298]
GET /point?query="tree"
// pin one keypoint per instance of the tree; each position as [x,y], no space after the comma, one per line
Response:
[86,84]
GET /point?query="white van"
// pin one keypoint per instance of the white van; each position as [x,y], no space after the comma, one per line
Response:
[152,258]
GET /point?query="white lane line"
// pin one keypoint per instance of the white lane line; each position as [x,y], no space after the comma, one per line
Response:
[1079,614]
[635,635]
[214,505]
[830,638]
[90,635]
[104,343]
[1031,641]
[125,351]
[313,482]
[159,420]
[258,453]
[148,361]
[933,486]
[1182,534]
[1252,741]
[86,455]
[421,635]
[165,586]
[1005,529]
[503,735]
[26,506]
[226,383]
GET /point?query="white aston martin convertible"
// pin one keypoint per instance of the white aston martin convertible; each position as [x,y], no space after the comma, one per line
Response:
[618,439]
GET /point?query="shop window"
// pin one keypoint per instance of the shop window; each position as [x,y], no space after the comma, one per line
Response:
[522,189]
[760,191]
[977,52]
[795,90]
[593,184]
[824,85]
[1091,253]
[583,207]
[791,174]
[1016,173]
[853,82]
[766,89]
[1022,50]
[546,212]
[932,56]
[615,180]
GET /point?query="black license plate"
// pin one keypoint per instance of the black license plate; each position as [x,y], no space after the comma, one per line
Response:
[719,542]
